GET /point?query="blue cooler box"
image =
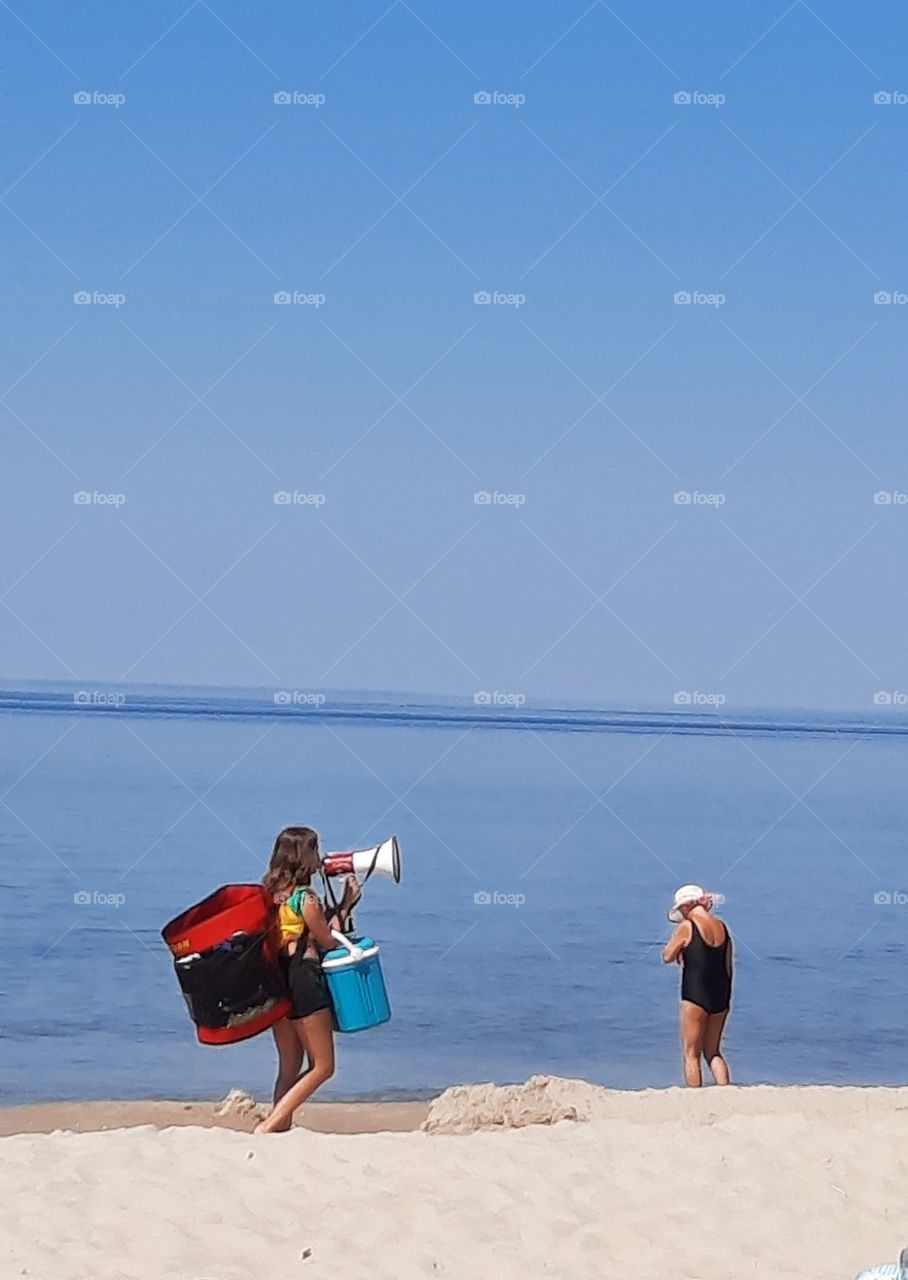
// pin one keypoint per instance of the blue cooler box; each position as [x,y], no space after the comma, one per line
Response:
[356,985]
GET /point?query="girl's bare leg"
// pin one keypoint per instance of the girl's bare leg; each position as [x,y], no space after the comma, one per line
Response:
[712,1047]
[316,1035]
[289,1057]
[693,1028]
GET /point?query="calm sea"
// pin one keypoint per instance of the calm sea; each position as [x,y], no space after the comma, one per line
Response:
[540,850]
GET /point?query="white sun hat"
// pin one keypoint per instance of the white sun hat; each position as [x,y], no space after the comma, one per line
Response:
[687,893]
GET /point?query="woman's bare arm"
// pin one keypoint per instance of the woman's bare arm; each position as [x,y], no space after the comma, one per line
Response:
[317,925]
[352,894]
[671,952]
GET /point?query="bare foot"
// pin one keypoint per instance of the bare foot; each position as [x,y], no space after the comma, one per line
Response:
[265,1126]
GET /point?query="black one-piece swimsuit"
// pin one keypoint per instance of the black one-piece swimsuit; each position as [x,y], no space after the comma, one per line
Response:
[706,979]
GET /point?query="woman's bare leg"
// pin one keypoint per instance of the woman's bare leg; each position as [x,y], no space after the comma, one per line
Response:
[693,1027]
[317,1038]
[289,1057]
[712,1047]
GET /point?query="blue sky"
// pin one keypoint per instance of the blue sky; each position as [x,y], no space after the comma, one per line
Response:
[181,198]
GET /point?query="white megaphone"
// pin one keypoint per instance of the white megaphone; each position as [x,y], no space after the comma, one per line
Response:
[381,859]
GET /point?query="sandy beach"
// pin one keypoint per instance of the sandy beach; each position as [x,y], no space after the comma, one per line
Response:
[763,1181]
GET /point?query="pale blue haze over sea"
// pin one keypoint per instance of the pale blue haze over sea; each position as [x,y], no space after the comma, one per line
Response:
[181,790]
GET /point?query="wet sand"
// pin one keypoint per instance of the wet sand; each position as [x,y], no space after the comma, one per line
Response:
[321,1117]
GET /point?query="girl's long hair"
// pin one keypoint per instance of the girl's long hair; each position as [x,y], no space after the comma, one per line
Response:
[294,861]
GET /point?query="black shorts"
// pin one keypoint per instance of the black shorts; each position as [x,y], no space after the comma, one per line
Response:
[306,985]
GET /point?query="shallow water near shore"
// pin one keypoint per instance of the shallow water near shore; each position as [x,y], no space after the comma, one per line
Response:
[525,935]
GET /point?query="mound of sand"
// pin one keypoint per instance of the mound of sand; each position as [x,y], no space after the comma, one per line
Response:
[240,1103]
[542,1100]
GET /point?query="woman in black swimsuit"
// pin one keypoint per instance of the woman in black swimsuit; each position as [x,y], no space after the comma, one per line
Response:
[701,944]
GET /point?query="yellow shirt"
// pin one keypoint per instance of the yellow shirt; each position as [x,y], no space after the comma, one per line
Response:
[290,920]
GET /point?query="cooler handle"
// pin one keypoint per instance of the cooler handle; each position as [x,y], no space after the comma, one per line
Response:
[356,953]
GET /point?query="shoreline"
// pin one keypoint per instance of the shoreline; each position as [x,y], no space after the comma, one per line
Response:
[99,1116]
[370,1116]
